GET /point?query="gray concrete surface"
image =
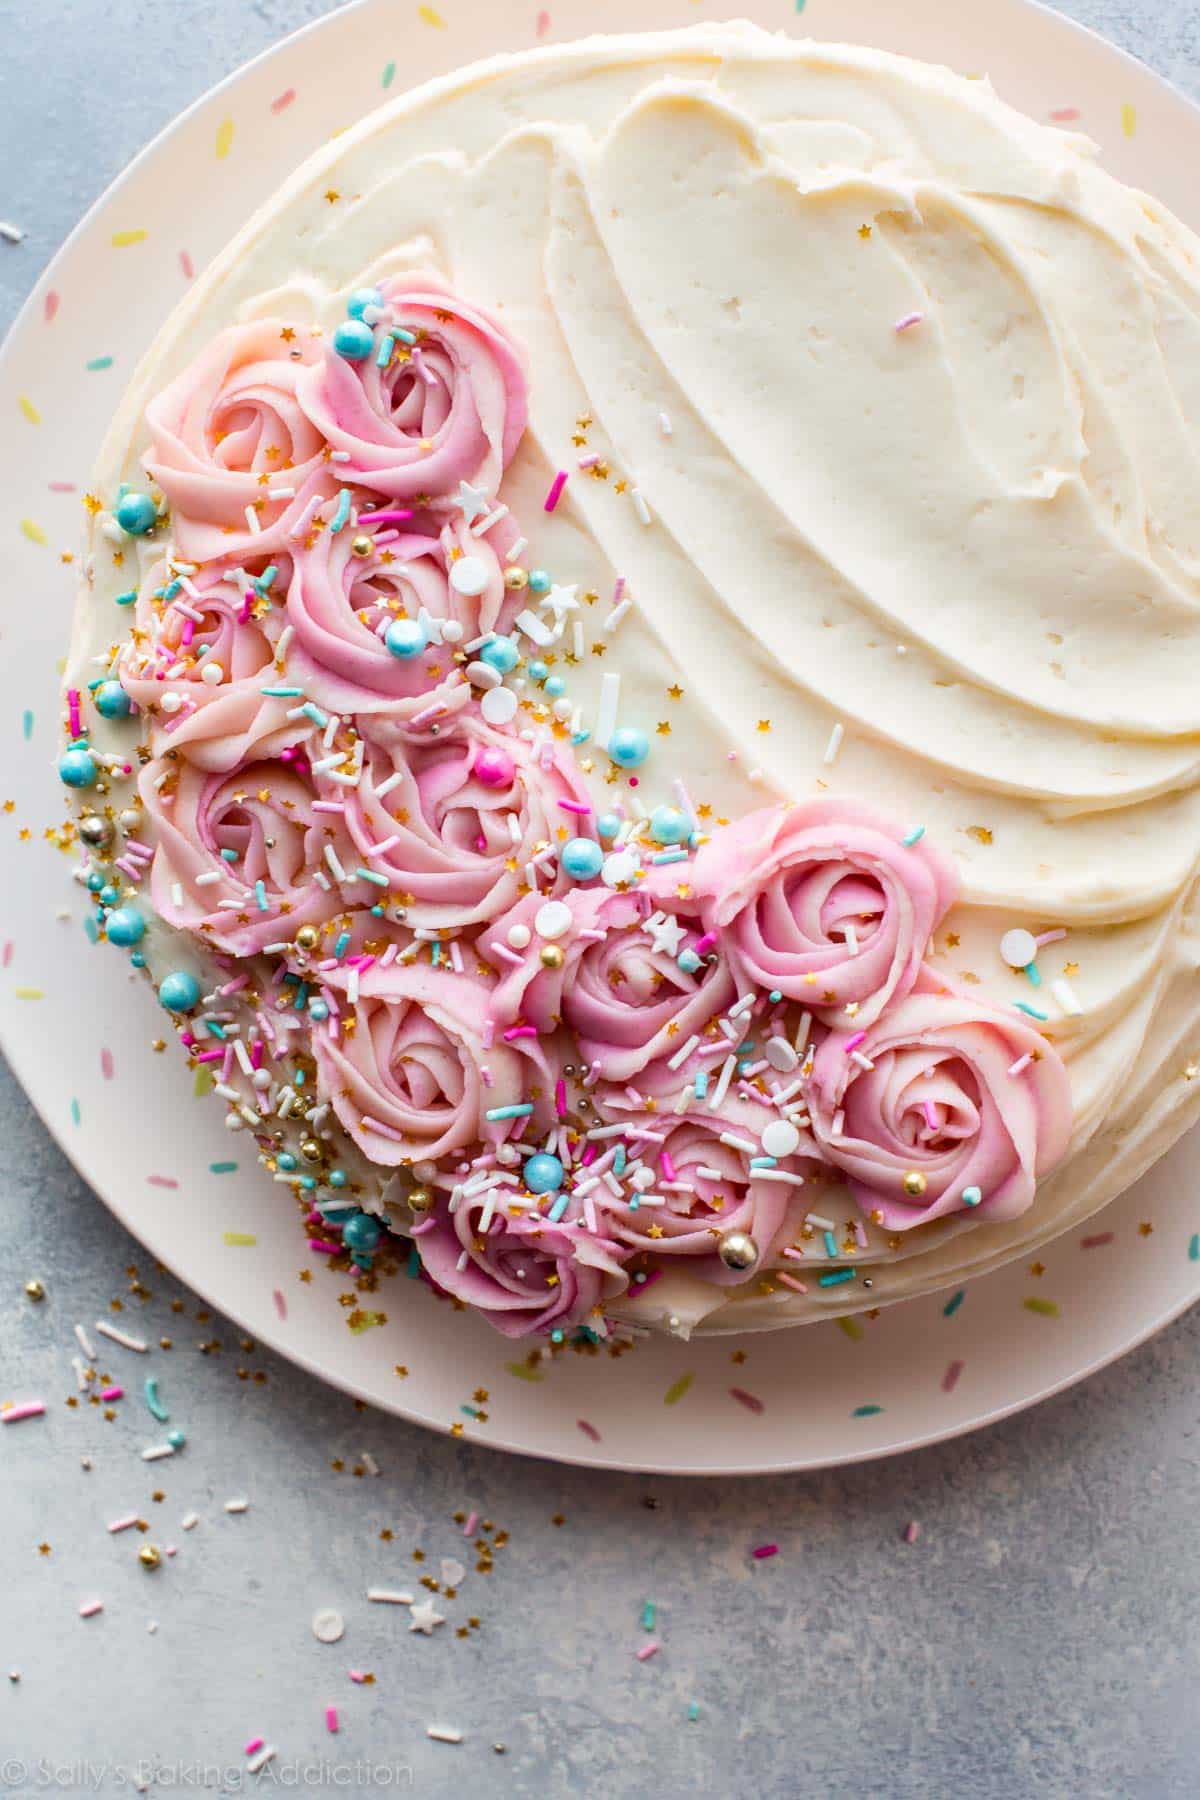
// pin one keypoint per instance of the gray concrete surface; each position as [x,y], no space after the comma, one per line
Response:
[1040,1637]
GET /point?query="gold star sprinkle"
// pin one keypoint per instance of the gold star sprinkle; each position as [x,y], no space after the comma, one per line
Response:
[663,728]
[675,692]
[331,194]
[1145,1229]
[764,724]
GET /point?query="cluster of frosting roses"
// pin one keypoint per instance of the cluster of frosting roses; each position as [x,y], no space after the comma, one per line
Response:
[579,1079]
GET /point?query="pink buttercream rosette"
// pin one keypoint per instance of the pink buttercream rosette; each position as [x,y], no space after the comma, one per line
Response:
[470,810]
[822,902]
[628,1003]
[523,1274]
[228,430]
[450,408]
[415,1079]
[226,617]
[262,809]
[941,1100]
[340,603]
[704,1188]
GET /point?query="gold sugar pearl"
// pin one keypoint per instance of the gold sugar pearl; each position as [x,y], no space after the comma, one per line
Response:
[362,546]
[914,1184]
[516,578]
[420,1199]
[551,956]
[308,937]
[34,1290]
[311,1150]
[149,1556]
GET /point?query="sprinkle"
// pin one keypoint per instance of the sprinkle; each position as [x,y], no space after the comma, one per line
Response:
[342,511]
[236,1506]
[866,1412]
[112,1393]
[331,1718]
[282,101]
[606,712]
[639,505]
[950,1378]
[224,141]
[835,1277]
[12,234]
[98,363]
[913,837]
[1048,1309]
[239,1240]
[1106,1237]
[33,531]
[834,744]
[261,1759]
[25,1409]
[85,1343]
[497,1113]
[912,1532]
[121,240]
[1021,1064]
[90,1608]
[1032,1011]
[1066,996]
[28,409]
[952,1305]
[677,1389]
[441,1734]
[122,1337]
[156,1452]
[123,1524]
[751,1402]
[389,1597]
[762,1551]
[556,488]
[908,321]
[648,1650]
[1128,118]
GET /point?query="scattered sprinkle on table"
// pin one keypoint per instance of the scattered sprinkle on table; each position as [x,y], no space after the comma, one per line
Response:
[237,1506]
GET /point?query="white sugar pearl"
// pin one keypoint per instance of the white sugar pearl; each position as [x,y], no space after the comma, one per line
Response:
[212,674]
[498,706]
[468,575]
[171,701]
[261,1079]
[553,920]
[452,631]
[780,1138]
[328,1625]
[233,1122]
[519,936]
[621,866]
[1018,948]
[780,1055]
[563,708]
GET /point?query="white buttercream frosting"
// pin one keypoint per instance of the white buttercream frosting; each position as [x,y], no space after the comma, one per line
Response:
[910,389]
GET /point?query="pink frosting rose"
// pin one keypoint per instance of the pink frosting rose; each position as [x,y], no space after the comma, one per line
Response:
[234,624]
[707,1189]
[823,902]
[467,804]
[939,1102]
[628,1003]
[229,429]
[340,603]
[449,408]
[524,1275]
[261,809]
[414,1080]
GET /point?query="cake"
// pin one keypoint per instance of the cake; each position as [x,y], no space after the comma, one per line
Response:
[632,693]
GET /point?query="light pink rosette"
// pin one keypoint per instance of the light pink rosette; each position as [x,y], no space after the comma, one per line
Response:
[227,619]
[339,604]
[699,1207]
[229,429]
[523,1275]
[628,1003]
[939,1101]
[449,408]
[262,808]
[823,902]
[447,828]
[414,1079]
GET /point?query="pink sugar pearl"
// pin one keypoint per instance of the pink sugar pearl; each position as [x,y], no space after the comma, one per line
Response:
[495,768]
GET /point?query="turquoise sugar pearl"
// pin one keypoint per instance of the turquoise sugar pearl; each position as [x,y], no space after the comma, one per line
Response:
[581,859]
[176,1438]
[555,685]
[78,768]
[539,581]
[109,895]
[318,1010]
[136,514]
[608,825]
[112,700]
[360,299]
[286,1161]
[405,638]
[179,991]
[688,961]
[543,1173]
[668,825]
[138,960]
[538,671]
[95,883]
[629,747]
[337,1178]
[362,1232]
[353,340]
[501,654]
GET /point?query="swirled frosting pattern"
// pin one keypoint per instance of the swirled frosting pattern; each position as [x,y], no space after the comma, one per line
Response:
[878,400]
